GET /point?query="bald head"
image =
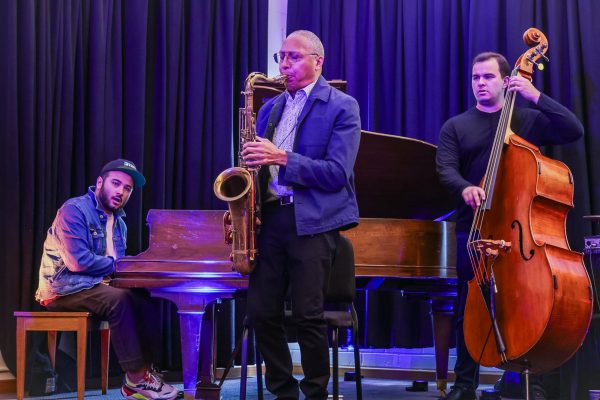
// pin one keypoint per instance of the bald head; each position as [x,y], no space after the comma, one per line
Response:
[312,41]
[301,56]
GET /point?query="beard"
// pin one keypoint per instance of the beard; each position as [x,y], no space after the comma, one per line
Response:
[107,202]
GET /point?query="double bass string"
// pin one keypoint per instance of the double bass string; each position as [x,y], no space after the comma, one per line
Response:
[479,268]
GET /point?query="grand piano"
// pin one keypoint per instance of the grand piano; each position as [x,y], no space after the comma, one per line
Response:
[397,244]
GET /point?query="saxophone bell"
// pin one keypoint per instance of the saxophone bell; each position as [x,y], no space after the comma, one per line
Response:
[237,185]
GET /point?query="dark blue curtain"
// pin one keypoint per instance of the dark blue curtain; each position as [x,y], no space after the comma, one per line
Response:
[84,82]
[408,63]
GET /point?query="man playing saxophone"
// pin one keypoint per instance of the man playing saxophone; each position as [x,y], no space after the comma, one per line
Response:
[308,142]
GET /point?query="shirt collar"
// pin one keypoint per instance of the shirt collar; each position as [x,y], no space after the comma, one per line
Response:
[306,89]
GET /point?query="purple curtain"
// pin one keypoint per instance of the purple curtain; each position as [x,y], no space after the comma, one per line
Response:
[84,82]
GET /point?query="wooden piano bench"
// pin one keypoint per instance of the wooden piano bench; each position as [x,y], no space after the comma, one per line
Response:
[52,322]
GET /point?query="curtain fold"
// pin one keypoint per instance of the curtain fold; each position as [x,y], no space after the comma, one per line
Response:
[88,81]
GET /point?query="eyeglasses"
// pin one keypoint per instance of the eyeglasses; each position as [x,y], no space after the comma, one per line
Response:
[293,56]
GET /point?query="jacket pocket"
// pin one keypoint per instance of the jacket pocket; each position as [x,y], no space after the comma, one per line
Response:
[98,241]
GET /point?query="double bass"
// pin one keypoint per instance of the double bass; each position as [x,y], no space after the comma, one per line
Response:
[529,304]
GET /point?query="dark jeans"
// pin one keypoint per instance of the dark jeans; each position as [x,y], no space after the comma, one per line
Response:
[302,262]
[130,314]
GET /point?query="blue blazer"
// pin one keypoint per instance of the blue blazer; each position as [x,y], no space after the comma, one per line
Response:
[320,167]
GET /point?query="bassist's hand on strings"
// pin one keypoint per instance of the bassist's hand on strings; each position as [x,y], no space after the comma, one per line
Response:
[524,87]
[473,196]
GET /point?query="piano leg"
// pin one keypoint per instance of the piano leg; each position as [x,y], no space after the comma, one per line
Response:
[190,307]
[190,328]
[206,388]
[442,310]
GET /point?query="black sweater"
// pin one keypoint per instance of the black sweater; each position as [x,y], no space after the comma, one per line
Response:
[466,142]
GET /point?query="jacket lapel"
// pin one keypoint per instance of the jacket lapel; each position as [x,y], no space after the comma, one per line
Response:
[319,92]
[275,116]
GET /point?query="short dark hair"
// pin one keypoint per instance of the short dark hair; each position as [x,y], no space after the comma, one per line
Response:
[502,63]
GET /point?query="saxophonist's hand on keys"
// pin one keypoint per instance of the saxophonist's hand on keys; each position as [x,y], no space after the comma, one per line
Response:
[263,152]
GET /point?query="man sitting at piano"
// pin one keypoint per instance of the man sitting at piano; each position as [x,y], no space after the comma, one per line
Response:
[87,235]
[310,137]
[462,156]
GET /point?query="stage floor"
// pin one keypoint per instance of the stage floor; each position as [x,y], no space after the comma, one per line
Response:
[378,389]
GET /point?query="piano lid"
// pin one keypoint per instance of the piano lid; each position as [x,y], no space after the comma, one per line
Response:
[396,178]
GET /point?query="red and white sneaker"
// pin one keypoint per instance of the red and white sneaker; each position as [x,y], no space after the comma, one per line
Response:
[151,387]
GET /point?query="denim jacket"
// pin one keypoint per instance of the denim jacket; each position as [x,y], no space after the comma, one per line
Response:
[73,257]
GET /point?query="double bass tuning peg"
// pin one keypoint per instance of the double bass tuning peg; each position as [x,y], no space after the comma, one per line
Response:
[539,50]
[541,53]
[539,65]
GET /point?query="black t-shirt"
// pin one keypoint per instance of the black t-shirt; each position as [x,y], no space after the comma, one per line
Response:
[466,142]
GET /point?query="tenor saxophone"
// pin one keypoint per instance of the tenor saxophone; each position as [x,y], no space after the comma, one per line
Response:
[237,186]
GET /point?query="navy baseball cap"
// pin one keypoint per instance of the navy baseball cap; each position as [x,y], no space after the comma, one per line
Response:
[128,167]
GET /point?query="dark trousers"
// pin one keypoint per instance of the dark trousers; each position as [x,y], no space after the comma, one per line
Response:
[130,314]
[465,369]
[302,262]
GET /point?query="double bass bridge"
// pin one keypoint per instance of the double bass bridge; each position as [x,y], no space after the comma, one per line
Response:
[491,248]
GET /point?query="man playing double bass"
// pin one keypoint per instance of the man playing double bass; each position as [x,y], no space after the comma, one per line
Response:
[462,156]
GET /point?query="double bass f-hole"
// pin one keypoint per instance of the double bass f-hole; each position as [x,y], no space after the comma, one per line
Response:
[531,252]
